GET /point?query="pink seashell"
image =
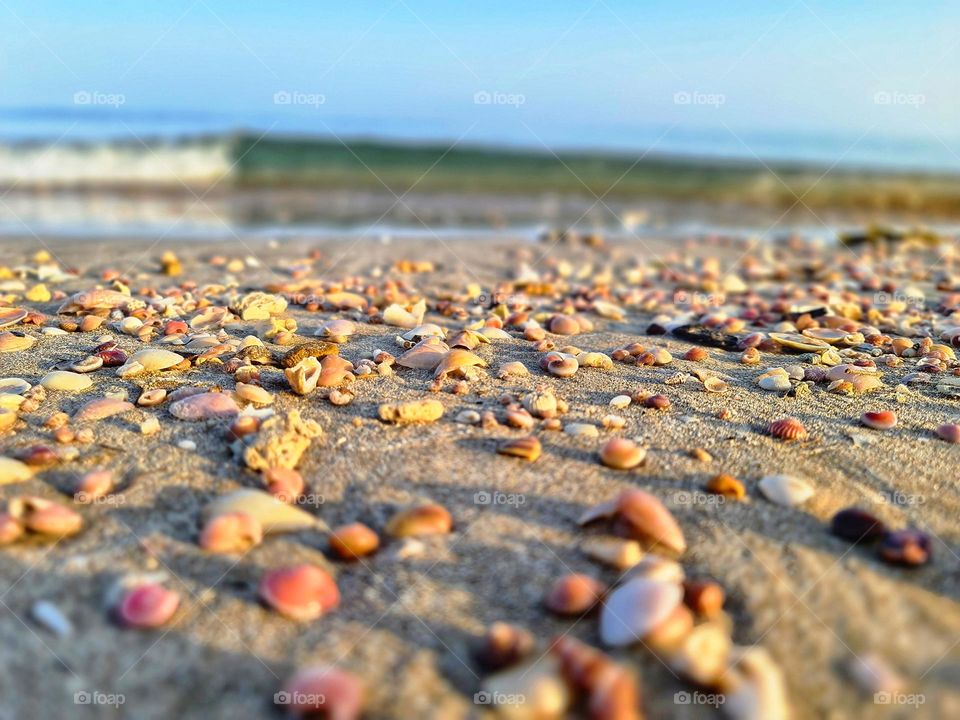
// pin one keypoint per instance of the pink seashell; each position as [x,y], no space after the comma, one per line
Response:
[334,371]
[949,432]
[425,355]
[284,483]
[643,517]
[93,485]
[147,606]
[300,592]
[205,406]
[787,429]
[45,517]
[102,408]
[881,420]
[323,692]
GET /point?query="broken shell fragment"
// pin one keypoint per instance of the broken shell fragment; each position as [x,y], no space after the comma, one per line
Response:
[419,521]
[147,606]
[300,592]
[274,516]
[414,411]
[457,359]
[303,376]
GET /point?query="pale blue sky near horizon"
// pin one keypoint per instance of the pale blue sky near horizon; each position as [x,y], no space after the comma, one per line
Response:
[600,73]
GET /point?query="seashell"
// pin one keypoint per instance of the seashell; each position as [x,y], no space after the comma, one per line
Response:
[147,606]
[414,411]
[11,316]
[906,547]
[799,343]
[615,552]
[231,532]
[785,489]
[696,354]
[457,359]
[337,330]
[149,361]
[334,371]
[564,366]
[274,516]
[323,692]
[704,597]
[541,403]
[529,691]
[950,432]
[421,332]
[504,644]
[11,529]
[354,541]
[713,384]
[642,516]
[205,406]
[93,485]
[879,420]
[45,517]
[285,484]
[425,355]
[48,615]
[15,342]
[757,688]
[254,394]
[633,610]
[66,381]
[595,360]
[151,398]
[622,454]
[584,430]
[787,429]
[421,520]
[657,402]
[300,592]
[340,397]
[608,310]
[574,594]
[346,301]
[303,376]
[775,380]
[467,340]
[399,316]
[610,690]
[15,386]
[728,486]
[94,300]
[620,401]
[8,417]
[259,306]
[563,325]
[87,364]
[101,408]
[13,471]
[526,448]
[704,654]
[857,525]
[512,369]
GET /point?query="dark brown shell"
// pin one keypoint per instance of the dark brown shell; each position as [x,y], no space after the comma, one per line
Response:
[257,354]
[315,349]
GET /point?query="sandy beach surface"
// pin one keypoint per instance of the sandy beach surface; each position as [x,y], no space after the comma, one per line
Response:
[411,615]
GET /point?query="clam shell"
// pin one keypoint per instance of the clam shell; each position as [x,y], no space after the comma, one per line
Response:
[13,386]
[66,381]
[11,316]
[425,355]
[12,342]
[785,489]
[799,343]
[205,406]
[101,408]
[457,359]
[13,471]
[642,516]
[154,360]
[273,515]
[300,592]
[636,608]
[94,300]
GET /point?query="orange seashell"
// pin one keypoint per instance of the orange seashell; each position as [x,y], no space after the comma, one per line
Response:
[300,592]
[574,594]
[642,516]
[881,420]
[503,645]
[232,532]
[93,485]
[564,325]
[622,454]
[430,519]
[527,448]
[354,541]
[284,483]
[787,429]
[696,354]
[728,486]
[45,517]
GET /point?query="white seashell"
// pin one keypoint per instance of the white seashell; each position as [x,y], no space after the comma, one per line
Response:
[704,654]
[66,380]
[54,331]
[620,401]
[658,568]
[13,386]
[468,417]
[130,325]
[759,692]
[275,516]
[13,471]
[156,360]
[636,608]
[785,489]
[51,617]
[398,316]
[586,430]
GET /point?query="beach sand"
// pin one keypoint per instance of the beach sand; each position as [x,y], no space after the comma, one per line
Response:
[408,626]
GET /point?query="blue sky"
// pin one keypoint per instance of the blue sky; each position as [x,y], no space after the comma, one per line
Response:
[602,72]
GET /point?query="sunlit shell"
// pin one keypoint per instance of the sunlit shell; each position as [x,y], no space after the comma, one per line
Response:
[785,489]
[633,610]
[776,380]
[643,517]
[504,644]
[102,408]
[429,519]
[45,517]
[13,386]
[253,394]
[529,691]
[13,342]
[354,541]
[94,300]
[704,654]
[726,485]
[425,355]
[303,376]
[421,332]
[146,361]
[574,594]
[595,360]
[399,316]
[827,335]
[787,429]
[618,553]
[799,343]
[66,381]
[563,325]
[93,485]
[757,688]
[342,300]
[861,379]
[300,592]
[512,369]
[205,406]
[323,692]
[564,366]
[622,454]
[8,418]
[147,606]
[879,420]
[11,316]
[232,532]
[455,360]
[151,398]
[336,330]
[414,411]
[713,384]
[13,471]
[526,448]
[273,515]
[334,371]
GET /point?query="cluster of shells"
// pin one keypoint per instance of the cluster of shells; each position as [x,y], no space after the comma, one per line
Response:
[810,338]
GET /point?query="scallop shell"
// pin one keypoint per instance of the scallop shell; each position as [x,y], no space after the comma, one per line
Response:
[787,429]
[634,609]
[65,380]
[785,489]
[273,515]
